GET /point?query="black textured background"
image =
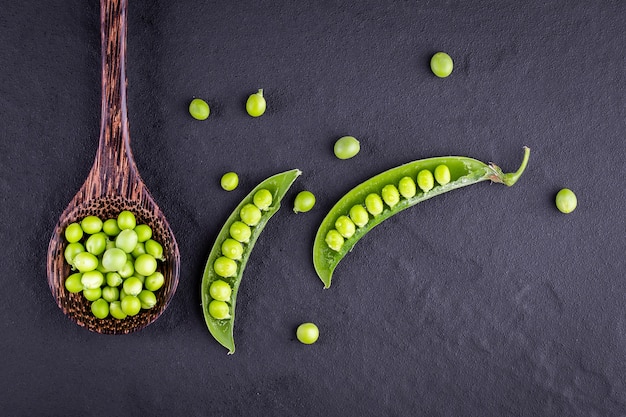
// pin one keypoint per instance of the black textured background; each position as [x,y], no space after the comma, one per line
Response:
[483,302]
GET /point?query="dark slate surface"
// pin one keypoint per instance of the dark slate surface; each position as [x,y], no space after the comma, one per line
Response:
[483,302]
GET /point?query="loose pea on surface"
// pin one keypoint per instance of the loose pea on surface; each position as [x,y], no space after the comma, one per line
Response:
[220,290]
[256,104]
[442,174]
[219,310]
[199,109]
[304,201]
[229,181]
[334,240]
[346,147]
[425,180]
[262,199]
[345,226]
[390,194]
[359,215]
[73,233]
[566,201]
[374,204]
[441,64]
[250,214]
[307,333]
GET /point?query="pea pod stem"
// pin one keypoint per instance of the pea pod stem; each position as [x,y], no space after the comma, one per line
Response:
[222,330]
[464,171]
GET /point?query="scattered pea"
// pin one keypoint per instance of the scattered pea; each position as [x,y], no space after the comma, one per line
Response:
[345,226]
[441,64]
[425,180]
[334,240]
[346,147]
[229,181]
[442,174]
[256,105]
[304,201]
[359,215]
[262,199]
[390,195]
[374,204]
[566,201]
[73,233]
[199,109]
[307,333]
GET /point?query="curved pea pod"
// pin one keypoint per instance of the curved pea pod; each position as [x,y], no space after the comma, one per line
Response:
[222,329]
[463,171]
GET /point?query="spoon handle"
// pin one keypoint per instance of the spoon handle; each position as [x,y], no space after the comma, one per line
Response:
[114,161]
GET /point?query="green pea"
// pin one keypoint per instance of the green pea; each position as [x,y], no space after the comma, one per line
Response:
[240,231]
[110,244]
[92,279]
[220,290]
[359,215]
[72,250]
[407,187]
[144,232]
[126,220]
[91,224]
[110,227]
[139,250]
[132,286]
[127,270]
[85,261]
[374,204]
[334,240]
[199,109]
[225,267]
[346,147]
[232,249]
[304,201]
[114,259]
[345,226]
[255,105]
[390,195]
[154,248]
[441,64]
[425,180]
[145,264]
[73,283]
[96,243]
[566,201]
[110,293]
[442,174]
[219,310]
[92,294]
[250,214]
[262,199]
[229,181]
[307,333]
[147,299]
[114,279]
[100,308]
[126,240]
[131,305]
[154,282]
[115,308]
[73,233]
[141,278]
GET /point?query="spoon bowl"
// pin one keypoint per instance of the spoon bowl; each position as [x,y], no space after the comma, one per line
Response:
[113,185]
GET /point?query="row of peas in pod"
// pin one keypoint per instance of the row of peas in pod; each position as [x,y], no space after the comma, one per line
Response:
[115,264]
[232,248]
[374,204]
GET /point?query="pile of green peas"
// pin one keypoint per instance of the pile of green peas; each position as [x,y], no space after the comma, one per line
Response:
[226,266]
[115,263]
[374,204]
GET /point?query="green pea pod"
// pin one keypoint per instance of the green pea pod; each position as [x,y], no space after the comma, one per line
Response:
[463,172]
[222,330]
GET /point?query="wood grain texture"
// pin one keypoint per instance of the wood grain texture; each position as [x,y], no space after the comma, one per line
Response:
[113,185]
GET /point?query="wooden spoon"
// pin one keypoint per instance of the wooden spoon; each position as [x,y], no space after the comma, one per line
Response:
[112,185]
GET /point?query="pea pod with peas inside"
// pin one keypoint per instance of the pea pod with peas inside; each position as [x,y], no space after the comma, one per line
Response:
[390,192]
[229,255]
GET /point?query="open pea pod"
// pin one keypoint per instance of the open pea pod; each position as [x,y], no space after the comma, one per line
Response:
[222,328]
[331,244]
